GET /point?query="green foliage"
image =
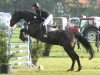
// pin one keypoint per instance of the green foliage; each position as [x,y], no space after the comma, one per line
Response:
[71,6]
[37,51]
[3,47]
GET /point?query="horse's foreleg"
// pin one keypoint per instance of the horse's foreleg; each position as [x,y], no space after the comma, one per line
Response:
[22,35]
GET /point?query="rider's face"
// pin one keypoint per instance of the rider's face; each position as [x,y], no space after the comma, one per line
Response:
[33,8]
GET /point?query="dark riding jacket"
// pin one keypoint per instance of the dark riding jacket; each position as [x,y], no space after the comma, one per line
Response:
[42,14]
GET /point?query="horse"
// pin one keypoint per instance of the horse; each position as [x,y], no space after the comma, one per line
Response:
[64,38]
[97,44]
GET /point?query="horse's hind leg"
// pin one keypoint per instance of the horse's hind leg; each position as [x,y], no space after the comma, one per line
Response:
[79,65]
[73,56]
[78,45]
[72,66]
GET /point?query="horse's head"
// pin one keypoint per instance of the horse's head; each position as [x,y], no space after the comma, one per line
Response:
[18,15]
[15,18]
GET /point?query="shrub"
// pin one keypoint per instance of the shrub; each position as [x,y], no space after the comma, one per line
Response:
[3,47]
[37,51]
[4,58]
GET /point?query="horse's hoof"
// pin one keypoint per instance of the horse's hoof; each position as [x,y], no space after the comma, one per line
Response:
[26,39]
[23,40]
[70,69]
[79,69]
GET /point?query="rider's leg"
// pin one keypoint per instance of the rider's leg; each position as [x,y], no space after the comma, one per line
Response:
[47,21]
[45,30]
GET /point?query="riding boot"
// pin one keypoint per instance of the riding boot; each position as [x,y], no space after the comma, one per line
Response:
[45,31]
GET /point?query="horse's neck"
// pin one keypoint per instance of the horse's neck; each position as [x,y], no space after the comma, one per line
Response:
[36,28]
[27,16]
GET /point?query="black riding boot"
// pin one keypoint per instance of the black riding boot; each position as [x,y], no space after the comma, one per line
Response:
[45,31]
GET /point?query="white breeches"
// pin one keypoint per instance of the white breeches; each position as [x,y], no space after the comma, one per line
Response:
[48,20]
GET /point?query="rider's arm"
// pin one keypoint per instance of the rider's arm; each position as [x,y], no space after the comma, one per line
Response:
[39,14]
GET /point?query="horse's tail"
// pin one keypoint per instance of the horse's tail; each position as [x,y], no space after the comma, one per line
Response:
[86,44]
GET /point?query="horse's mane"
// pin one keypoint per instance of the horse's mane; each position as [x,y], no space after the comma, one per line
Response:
[34,14]
[25,12]
[26,15]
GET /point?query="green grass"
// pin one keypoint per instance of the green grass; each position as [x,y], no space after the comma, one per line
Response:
[58,66]
[58,63]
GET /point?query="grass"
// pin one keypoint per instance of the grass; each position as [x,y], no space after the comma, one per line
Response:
[58,63]
[58,66]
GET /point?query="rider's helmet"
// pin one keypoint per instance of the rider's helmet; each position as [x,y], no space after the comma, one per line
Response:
[36,5]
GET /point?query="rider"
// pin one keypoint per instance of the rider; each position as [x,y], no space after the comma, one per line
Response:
[43,14]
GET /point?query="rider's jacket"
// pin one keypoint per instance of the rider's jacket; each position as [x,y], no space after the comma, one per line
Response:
[42,13]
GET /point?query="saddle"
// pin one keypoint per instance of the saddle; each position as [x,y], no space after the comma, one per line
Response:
[50,27]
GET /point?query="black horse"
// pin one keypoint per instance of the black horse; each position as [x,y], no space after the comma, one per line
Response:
[97,44]
[64,38]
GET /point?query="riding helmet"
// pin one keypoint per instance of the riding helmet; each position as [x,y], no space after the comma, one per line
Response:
[36,5]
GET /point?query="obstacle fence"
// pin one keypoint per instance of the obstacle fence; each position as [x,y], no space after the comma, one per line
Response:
[21,52]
